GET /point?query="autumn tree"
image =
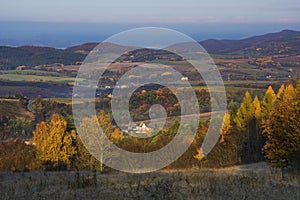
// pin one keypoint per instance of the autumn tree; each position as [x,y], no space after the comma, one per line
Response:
[282,129]
[257,108]
[233,112]
[83,158]
[15,155]
[247,124]
[268,101]
[97,141]
[117,135]
[245,112]
[256,139]
[226,126]
[280,91]
[242,120]
[225,152]
[54,145]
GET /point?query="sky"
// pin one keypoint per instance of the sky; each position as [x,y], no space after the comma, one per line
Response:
[37,21]
[166,11]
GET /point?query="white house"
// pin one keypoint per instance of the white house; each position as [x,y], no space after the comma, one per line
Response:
[185,78]
[139,129]
[142,128]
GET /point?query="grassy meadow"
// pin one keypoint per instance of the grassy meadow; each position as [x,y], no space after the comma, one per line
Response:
[255,181]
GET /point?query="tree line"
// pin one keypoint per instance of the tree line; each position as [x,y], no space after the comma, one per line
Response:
[263,130]
[256,130]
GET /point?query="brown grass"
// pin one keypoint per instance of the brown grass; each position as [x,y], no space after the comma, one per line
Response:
[244,182]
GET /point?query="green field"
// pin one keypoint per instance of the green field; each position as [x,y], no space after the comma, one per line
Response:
[170,63]
[31,72]
[34,78]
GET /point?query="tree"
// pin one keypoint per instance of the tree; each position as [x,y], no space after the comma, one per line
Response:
[282,129]
[83,159]
[256,139]
[233,112]
[268,101]
[247,123]
[257,108]
[200,155]
[225,127]
[15,155]
[280,91]
[98,142]
[117,135]
[54,145]
[245,112]
[20,127]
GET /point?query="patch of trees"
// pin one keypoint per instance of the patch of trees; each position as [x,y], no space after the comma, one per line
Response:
[256,130]
[141,102]
[52,147]
[143,55]
[44,109]
[265,62]
[15,155]
[12,57]
[15,123]
[282,128]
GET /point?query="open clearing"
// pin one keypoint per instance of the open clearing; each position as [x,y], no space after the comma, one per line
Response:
[35,78]
[256,181]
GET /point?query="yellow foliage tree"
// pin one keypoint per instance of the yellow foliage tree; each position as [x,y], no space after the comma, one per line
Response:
[117,135]
[268,101]
[225,127]
[53,144]
[98,142]
[245,112]
[282,129]
[280,91]
[257,108]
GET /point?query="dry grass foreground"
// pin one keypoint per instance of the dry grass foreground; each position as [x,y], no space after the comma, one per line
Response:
[255,181]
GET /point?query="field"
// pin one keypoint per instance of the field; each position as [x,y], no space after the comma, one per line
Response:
[255,181]
[29,77]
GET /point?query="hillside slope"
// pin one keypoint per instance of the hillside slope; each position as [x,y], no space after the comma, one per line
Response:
[12,57]
[286,42]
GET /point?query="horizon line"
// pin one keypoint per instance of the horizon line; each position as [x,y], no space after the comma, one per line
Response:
[44,46]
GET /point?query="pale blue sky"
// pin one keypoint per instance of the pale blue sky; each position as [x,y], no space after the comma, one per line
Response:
[63,23]
[162,11]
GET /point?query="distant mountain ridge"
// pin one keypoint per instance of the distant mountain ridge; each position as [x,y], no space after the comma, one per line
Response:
[12,57]
[86,47]
[268,44]
[286,42]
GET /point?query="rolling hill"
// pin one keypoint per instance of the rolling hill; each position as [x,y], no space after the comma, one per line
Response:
[12,57]
[286,42]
